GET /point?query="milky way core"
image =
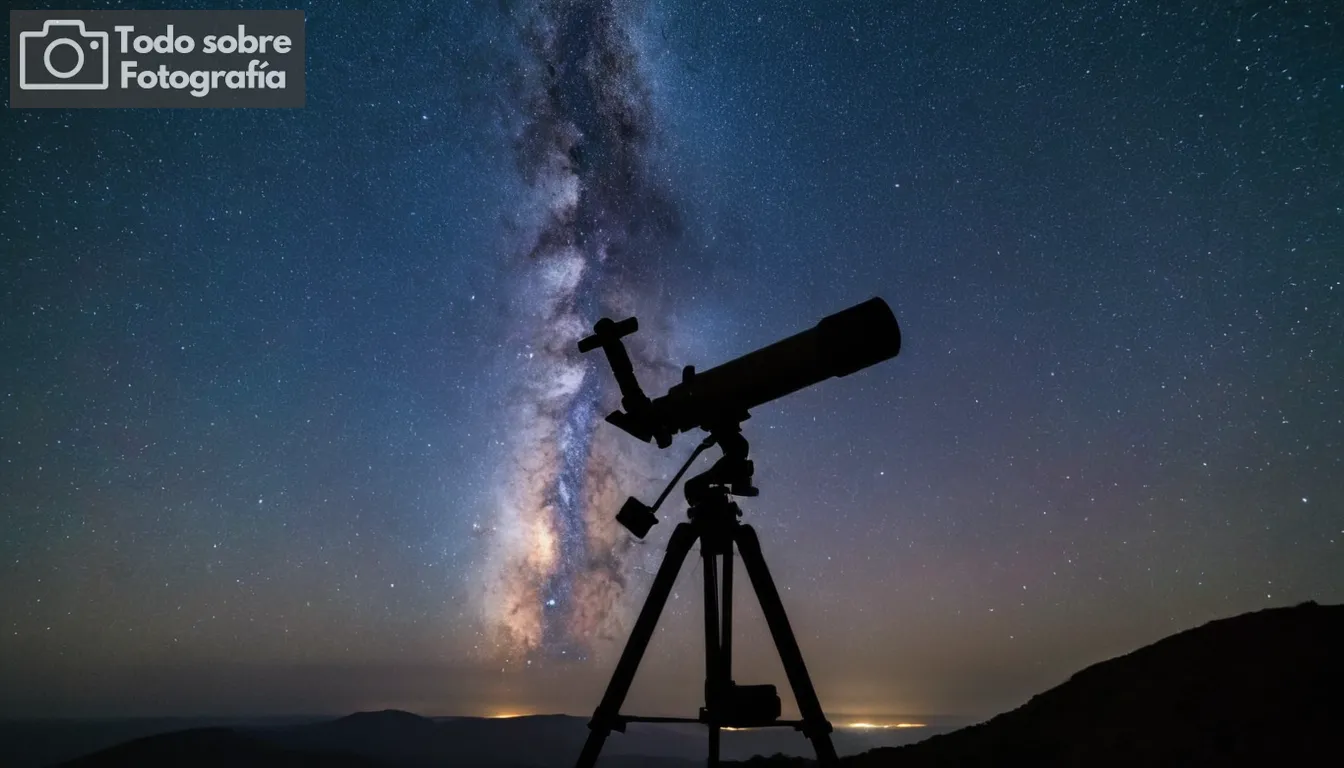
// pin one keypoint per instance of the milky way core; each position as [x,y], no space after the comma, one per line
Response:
[594,225]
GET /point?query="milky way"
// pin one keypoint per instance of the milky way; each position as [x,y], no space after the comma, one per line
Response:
[595,224]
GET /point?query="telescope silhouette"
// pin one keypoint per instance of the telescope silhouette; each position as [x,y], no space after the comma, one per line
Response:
[718,401]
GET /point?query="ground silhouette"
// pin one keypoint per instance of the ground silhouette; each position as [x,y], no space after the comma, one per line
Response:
[1258,689]
[1264,688]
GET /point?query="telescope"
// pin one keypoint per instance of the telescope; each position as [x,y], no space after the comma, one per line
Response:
[718,401]
[838,345]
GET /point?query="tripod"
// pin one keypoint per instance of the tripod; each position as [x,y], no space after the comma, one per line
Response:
[713,521]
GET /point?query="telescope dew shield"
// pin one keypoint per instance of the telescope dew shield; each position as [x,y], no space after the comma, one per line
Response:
[863,335]
[840,344]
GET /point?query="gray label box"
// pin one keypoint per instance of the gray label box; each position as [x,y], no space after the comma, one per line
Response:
[156,59]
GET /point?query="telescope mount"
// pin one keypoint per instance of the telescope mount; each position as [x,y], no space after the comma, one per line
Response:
[713,521]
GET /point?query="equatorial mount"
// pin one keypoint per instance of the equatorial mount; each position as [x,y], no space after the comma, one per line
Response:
[729,476]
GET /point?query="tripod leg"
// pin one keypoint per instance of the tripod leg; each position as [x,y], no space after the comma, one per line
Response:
[726,647]
[607,716]
[713,683]
[723,673]
[815,726]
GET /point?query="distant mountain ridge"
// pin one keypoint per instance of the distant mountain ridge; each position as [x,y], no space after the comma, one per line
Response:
[397,739]
[216,748]
[401,738]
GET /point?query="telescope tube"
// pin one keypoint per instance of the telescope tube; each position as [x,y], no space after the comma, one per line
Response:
[840,344]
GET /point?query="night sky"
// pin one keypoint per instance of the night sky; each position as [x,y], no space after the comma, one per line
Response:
[291,418]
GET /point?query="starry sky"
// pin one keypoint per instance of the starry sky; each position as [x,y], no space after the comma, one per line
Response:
[291,418]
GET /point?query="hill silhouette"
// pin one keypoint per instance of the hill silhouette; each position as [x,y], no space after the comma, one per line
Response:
[383,739]
[215,748]
[1258,689]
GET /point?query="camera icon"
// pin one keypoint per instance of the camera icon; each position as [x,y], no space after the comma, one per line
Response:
[63,57]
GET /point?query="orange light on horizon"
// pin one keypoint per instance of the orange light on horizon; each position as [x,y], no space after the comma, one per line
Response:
[883,726]
[507,715]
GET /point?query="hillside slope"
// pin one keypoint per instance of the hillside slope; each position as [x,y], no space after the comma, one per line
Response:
[1264,688]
